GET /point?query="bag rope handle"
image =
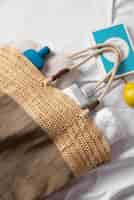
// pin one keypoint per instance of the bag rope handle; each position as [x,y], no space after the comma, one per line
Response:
[99,49]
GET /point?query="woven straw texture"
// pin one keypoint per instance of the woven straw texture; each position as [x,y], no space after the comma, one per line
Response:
[81,144]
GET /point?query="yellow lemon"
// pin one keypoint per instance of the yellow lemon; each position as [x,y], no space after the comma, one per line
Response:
[128,93]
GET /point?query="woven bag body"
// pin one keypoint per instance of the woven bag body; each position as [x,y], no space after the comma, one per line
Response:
[76,139]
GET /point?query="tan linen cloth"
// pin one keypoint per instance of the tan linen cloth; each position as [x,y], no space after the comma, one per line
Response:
[32,165]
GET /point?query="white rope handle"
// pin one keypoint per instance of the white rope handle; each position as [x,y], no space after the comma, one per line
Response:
[98,49]
[111,76]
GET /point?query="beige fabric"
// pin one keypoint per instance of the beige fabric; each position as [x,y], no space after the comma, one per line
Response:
[81,144]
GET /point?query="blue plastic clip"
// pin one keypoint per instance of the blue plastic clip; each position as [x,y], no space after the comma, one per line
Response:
[37,58]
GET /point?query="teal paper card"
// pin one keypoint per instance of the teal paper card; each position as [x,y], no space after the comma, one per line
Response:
[119,36]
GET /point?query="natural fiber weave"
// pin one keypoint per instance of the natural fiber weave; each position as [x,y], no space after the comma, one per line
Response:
[75,135]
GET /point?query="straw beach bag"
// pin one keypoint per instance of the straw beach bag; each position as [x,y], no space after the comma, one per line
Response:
[45,140]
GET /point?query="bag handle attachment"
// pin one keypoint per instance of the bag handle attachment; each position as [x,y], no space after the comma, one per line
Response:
[85,54]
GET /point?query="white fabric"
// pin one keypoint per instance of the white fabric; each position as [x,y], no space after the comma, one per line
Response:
[57,23]
[110,125]
[66,25]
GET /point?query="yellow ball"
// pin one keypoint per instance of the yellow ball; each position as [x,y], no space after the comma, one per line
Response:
[128,93]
